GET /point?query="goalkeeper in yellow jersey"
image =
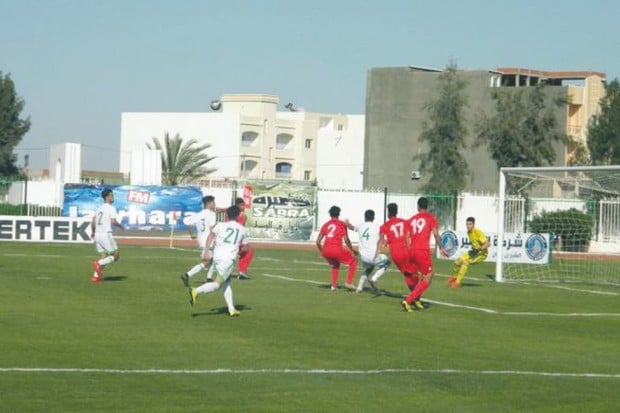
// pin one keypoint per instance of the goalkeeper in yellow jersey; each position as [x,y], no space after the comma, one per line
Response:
[478,253]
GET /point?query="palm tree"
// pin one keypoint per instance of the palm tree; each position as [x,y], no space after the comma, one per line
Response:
[181,162]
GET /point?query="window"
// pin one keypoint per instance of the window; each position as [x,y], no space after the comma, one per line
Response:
[283,170]
[247,168]
[307,175]
[249,138]
[283,141]
[340,126]
[308,144]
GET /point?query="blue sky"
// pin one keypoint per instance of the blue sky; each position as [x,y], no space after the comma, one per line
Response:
[79,64]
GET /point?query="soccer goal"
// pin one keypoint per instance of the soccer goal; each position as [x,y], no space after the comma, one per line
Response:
[563,224]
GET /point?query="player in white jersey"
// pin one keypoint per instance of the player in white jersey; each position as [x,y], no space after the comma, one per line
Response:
[368,248]
[227,239]
[204,221]
[101,226]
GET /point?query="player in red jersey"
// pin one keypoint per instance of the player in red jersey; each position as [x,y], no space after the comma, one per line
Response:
[395,233]
[334,232]
[245,256]
[422,225]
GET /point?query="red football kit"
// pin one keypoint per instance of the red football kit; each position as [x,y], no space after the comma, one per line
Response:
[334,232]
[421,226]
[396,230]
[245,257]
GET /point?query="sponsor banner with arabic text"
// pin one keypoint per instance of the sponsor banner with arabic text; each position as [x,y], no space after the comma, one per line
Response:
[279,211]
[525,248]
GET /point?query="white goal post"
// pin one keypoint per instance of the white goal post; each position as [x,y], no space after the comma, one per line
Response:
[549,205]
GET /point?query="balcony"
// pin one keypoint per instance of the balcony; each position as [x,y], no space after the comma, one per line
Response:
[575,95]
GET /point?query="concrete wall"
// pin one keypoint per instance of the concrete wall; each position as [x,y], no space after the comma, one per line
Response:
[395,115]
[250,132]
[220,130]
[340,154]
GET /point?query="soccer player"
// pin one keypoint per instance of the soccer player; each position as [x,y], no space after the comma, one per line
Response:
[395,234]
[227,238]
[334,232]
[204,221]
[422,225]
[478,253]
[245,256]
[101,226]
[369,242]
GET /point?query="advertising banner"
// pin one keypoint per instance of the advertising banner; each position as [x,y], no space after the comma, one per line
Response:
[526,248]
[148,208]
[44,229]
[279,211]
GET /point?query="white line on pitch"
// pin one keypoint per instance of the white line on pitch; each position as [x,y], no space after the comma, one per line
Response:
[524,313]
[467,307]
[32,255]
[579,290]
[305,371]
[282,277]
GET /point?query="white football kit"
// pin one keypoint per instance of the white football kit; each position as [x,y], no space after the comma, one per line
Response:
[203,221]
[229,236]
[104,241]
[369,236]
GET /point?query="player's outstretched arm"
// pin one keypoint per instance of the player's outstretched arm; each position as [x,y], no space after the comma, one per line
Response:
[442,250]
[118,224]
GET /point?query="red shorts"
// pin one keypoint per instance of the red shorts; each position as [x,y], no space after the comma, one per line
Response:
[402,260]
[335,257]
[422,261]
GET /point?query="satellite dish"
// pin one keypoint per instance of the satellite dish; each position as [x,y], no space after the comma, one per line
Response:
[215,105]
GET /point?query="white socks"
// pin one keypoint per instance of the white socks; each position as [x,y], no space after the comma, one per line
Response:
[107,260]
[195,270]
[207,287]
[360,285]
[228,297]
[377,275]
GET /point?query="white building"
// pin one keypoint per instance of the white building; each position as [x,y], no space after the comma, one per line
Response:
[250,139]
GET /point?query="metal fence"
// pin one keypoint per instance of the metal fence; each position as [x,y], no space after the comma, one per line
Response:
[609,220]
[450,209]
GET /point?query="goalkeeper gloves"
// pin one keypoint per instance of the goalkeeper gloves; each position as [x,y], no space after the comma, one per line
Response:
[473,252]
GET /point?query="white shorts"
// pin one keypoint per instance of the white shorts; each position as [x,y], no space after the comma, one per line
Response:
[369,262]
[202,253]
[224,269]
[105,243]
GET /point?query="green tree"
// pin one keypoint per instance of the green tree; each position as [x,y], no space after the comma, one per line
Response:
[577,153]
[181,162]
[445,133]
[12,127]
[604,131]
[523,129]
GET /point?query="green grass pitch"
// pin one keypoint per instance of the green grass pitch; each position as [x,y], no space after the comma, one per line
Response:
[133,344]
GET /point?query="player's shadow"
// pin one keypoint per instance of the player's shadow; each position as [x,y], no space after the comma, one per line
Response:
[221,311]
[328,287]
[470,284]
[114,278]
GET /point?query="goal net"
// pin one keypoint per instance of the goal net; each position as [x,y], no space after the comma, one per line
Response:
[566,220]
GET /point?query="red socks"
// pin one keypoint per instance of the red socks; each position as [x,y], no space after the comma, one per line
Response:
[417,291]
